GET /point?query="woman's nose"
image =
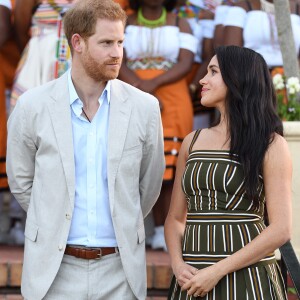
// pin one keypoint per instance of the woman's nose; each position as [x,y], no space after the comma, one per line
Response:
[202,81]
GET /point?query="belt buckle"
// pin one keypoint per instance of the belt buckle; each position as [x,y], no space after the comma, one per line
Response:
[99,255]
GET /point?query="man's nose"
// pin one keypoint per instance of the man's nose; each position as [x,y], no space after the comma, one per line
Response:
[117,50]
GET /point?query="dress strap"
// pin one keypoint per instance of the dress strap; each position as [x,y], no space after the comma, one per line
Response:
[194,139]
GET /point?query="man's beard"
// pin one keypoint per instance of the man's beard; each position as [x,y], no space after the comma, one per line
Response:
[100,71]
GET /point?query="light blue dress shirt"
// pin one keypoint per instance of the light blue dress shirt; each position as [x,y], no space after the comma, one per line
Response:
[91,222]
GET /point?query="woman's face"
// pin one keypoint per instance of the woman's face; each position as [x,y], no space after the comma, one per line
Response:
[213,87]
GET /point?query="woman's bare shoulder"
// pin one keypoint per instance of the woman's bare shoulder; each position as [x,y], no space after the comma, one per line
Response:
[278,151]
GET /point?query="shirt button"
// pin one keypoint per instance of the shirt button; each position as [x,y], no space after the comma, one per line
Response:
[91,186]
[60,247]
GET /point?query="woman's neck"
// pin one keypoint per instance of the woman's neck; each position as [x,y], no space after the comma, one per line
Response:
[152,13]
[151,17]
[223,125]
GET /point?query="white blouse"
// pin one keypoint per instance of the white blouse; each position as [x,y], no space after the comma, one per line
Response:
[260,32]
[220,14]
[201,29]
[166,42]
[6,3]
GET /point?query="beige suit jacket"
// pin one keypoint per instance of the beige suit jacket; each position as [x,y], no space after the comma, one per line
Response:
[41,173]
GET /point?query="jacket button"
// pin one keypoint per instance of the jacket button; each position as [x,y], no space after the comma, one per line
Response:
[60,247]
[68,216]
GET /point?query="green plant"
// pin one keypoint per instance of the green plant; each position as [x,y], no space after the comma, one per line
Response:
[288,90]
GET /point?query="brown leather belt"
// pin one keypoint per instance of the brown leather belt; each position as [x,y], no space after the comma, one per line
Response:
[90,253]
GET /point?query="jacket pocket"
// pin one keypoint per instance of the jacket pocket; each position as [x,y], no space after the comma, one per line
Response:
[31,231]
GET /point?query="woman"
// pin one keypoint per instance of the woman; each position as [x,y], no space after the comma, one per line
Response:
[38,26]
[6,67]
[200,15]
[226,175]
[159,53]
[252,24]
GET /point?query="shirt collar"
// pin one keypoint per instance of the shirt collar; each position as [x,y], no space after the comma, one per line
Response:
[74,96]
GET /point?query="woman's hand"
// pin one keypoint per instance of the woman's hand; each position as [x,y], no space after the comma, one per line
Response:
[183,273]
[203,282]
[148,86]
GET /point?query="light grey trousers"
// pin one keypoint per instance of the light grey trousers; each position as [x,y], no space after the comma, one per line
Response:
[83,279]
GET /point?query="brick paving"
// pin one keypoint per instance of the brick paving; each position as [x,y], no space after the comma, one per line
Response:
[12,297]
[159,272]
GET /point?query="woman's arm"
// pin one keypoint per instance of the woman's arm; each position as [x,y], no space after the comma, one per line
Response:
[234,24]
[5,24]
[207,54]
[23,14]
[233,35]
[176,218]
[127,75]
[178,71]
[277,174]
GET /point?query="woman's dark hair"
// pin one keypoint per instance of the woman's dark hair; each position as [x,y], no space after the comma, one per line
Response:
[168,4]
[251,109]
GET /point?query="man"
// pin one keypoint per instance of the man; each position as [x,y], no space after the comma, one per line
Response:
[85,160]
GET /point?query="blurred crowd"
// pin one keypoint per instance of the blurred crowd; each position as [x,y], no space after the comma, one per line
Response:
[168,45]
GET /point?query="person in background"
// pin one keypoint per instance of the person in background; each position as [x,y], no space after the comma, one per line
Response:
[252,24]
[200,15]
[221,12]
[5,29]
[227,175]
[39,34]
[159,52]
[10,213]
[125,5]
[5,21]
[85,161]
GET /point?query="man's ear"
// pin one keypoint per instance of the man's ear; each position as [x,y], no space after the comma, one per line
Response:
[77,41]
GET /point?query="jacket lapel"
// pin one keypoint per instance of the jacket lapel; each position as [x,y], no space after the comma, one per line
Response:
[119,116]
[60,112]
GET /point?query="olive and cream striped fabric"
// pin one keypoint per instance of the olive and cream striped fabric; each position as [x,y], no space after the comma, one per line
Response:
[221,219]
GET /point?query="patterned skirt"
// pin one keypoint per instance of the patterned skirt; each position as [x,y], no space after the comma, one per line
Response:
[212,236]
[177,116]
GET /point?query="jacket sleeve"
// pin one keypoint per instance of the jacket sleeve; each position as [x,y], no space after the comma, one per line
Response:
[153,162]
[21,152]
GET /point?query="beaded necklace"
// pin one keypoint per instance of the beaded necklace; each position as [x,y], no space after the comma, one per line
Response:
[141,20]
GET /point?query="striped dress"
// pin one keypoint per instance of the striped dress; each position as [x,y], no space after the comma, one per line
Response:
[221,219]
